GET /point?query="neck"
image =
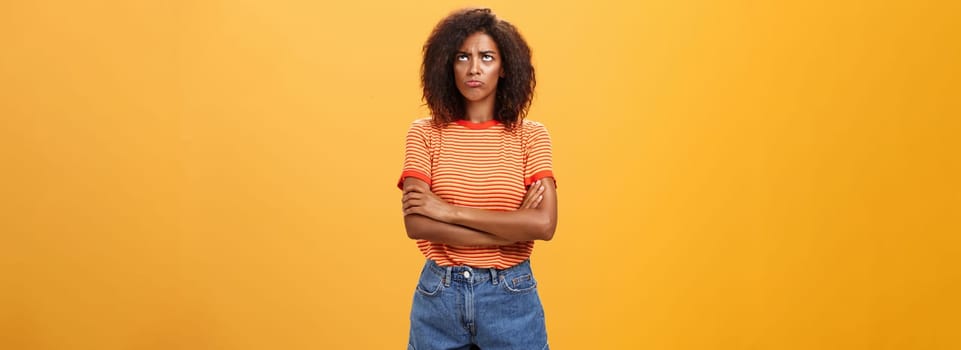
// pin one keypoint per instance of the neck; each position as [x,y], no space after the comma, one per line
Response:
[479,111]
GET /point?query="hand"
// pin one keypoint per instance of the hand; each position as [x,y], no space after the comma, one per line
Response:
[534,195]
[420,200]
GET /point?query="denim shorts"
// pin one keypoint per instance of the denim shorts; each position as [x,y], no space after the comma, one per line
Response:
[459,307]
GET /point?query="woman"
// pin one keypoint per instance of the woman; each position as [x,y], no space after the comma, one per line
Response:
[478,189]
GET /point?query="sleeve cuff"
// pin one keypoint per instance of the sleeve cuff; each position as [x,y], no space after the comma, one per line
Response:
[412,173]
[540,175]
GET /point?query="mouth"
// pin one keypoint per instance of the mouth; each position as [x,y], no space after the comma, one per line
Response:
[473,83]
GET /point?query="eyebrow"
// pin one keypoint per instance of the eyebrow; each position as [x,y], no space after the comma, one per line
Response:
[486,52]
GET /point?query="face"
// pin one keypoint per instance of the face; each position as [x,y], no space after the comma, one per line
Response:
[477,67]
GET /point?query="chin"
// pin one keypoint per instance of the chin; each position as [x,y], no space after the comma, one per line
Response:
[474,97]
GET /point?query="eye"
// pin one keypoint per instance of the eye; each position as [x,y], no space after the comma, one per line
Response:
[461,57]
[487,58]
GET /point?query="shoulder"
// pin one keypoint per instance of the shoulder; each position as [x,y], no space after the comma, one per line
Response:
[421,123]
[532,128]
[423,126]
[530,125]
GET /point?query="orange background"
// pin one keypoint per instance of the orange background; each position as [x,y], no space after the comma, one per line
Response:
[733,175]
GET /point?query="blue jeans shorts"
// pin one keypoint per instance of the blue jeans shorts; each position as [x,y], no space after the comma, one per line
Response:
[460,307]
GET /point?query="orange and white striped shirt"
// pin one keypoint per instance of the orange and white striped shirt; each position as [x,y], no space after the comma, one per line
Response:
[478,165]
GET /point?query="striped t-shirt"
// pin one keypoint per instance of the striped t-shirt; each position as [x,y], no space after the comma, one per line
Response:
[478,165]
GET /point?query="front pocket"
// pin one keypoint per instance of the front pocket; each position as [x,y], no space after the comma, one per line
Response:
[430,282]
[519,284]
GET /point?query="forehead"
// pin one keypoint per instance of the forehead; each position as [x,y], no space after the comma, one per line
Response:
[478,42]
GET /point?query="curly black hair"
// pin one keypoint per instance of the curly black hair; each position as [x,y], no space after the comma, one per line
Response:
[515,89]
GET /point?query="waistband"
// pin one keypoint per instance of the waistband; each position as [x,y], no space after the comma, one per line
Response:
[475,275]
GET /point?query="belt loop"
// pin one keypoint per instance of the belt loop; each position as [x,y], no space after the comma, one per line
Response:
[447,277]
[494,275]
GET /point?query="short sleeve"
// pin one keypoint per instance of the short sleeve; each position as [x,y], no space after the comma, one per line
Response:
[417,162]
[539,157]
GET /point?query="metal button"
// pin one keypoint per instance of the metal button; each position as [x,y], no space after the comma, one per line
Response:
[466,274]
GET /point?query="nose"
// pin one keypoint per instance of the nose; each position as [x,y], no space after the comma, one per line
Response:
[474,67]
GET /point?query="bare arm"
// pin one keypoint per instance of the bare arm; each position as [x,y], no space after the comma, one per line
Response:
[422,227]
[520,225]
[525,224]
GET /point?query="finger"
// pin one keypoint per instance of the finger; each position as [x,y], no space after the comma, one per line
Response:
[537,201]
[531,189]
[413,188]
[528,200]
[525,204]
[415,210]
[413,203]
[532,204]
[534,192]
[525,201]
[530,195]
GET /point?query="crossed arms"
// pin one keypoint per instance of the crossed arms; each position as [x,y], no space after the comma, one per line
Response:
[427,216]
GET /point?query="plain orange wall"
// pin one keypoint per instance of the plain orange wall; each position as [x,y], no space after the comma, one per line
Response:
[733,175]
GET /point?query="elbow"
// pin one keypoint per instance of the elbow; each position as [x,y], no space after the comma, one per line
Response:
[412,234]
[547,235]
[413,230]
[546,229]
[409,227]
